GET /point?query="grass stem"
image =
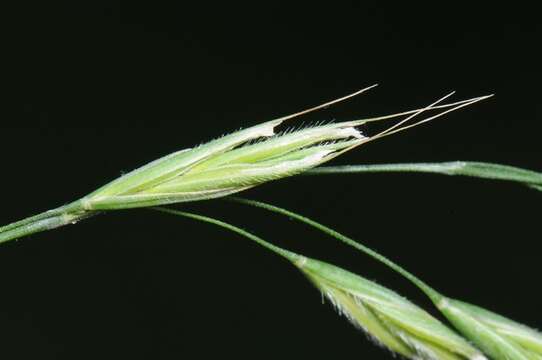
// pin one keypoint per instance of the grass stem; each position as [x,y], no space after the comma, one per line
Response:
[51,219]
[277,250]
[464,168]
[430,292]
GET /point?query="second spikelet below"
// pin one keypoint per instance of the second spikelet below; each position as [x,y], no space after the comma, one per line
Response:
[389,319]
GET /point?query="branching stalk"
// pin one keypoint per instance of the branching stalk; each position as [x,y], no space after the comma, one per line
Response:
[499,337]
[430,292]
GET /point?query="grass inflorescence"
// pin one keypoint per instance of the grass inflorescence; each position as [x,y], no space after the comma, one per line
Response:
[495,335]
[230,164]
[388,319]
[259,154]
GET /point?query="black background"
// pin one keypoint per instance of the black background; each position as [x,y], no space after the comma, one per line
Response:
[102,88]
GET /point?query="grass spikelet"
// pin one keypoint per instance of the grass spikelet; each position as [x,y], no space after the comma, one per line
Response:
[497,336]
[387,318]
[391,320]
[220,167]
[242,160]
[230,164]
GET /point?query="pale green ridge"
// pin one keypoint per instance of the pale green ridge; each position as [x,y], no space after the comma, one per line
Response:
[279,145]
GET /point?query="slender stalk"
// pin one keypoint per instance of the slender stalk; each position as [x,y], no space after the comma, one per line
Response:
[277,250]
[389,319]
[497,336]
[464,168]
[430,292]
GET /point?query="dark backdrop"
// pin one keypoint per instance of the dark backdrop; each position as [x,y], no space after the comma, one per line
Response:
[102,88]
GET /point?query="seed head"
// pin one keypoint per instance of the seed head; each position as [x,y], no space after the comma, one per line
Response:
[497,336]
[389,319]
[241,160]
[227,165]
